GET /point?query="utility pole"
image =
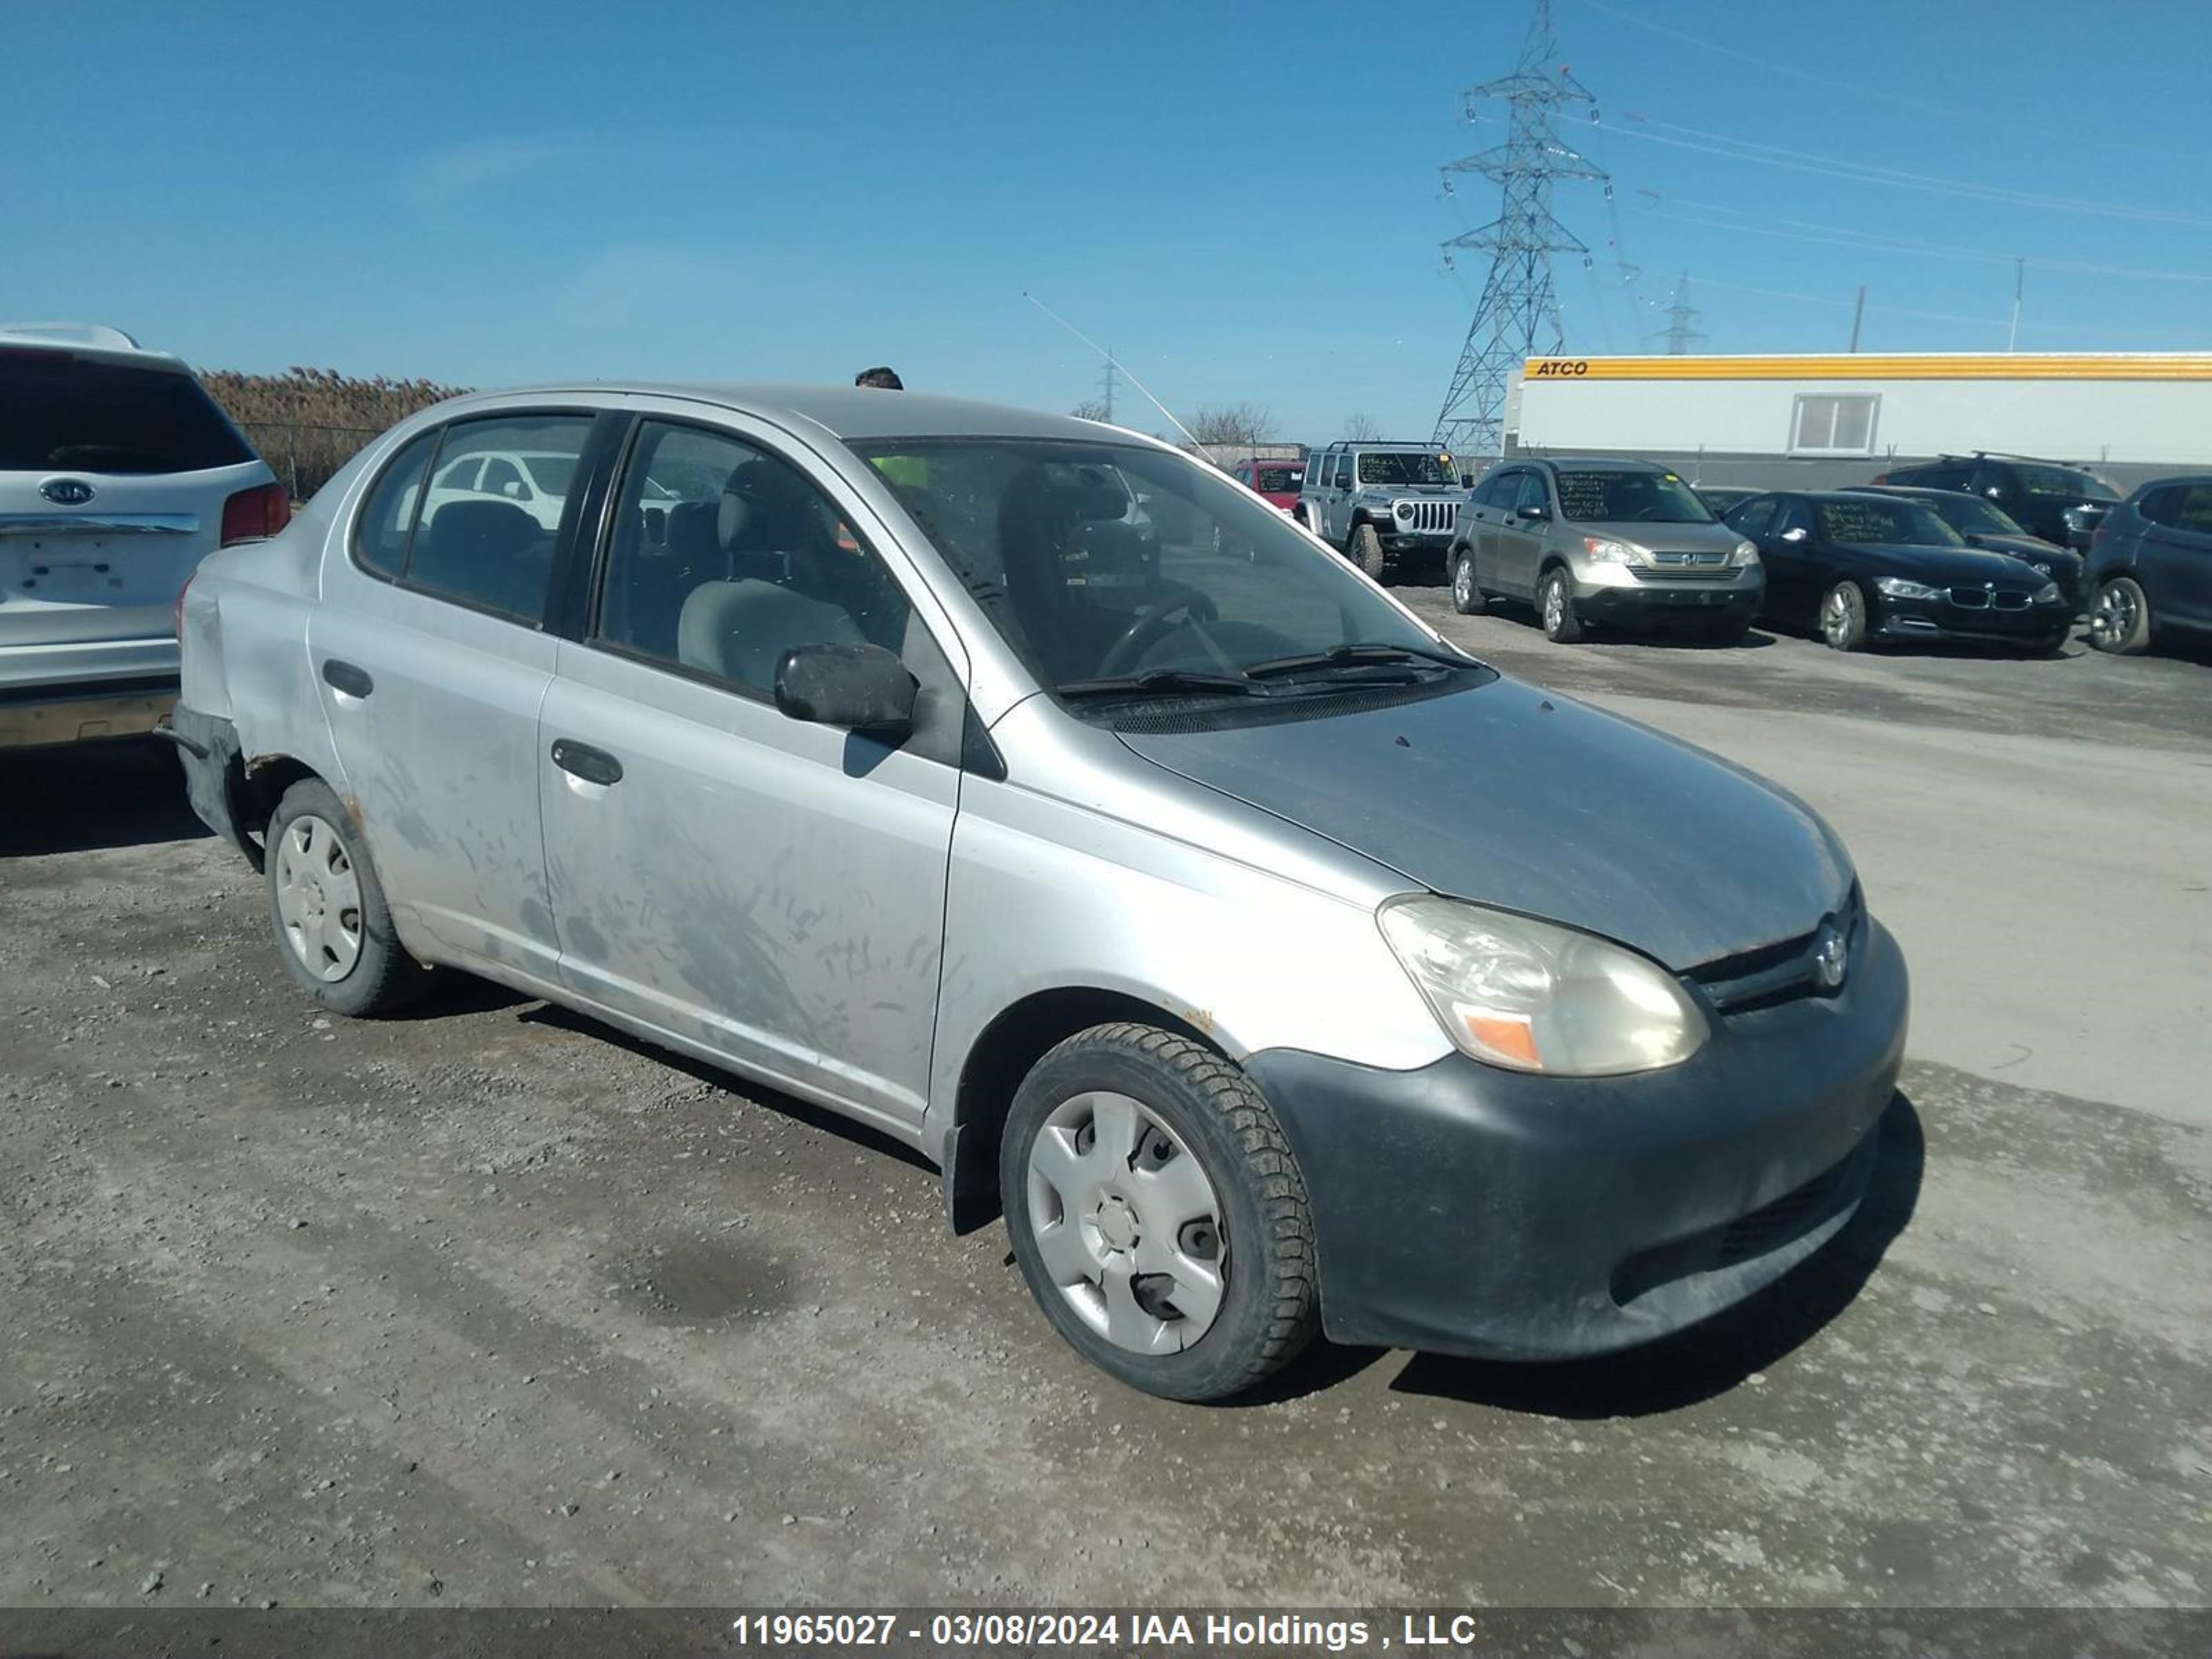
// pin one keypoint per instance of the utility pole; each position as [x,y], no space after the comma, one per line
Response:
[1106,387]
[1858,311]
[2019,279]
[1681,320]
[1518,315]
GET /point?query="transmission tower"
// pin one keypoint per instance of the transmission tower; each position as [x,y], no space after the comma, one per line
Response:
[1518,316]
[1682,320]
[1106,388]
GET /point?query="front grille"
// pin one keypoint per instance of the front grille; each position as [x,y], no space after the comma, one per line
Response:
[1782,972]
[1984,598]
[1428,518]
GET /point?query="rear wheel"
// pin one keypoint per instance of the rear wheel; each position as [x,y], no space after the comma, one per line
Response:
[1844,616]
[1156,1213]
[1365,549]
[2119,617]
[334,933]
[1467,596]
[1555,607]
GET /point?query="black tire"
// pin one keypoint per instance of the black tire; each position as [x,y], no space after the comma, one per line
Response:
[1467,596]
[1270,1299]
[1843,616]
[383,978]
[2119,617]
[1365,549]
[1561,622]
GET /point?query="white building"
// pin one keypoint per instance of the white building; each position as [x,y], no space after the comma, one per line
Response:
[1813,419]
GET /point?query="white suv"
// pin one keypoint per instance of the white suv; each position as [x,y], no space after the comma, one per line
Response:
[118,475]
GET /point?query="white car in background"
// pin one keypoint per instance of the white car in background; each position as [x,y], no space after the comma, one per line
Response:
[539,483]
[118,475]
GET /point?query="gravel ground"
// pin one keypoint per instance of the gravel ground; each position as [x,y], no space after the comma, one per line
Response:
[491,1305]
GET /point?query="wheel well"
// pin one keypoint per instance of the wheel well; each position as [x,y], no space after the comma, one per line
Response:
[255,787]
[1009,1048]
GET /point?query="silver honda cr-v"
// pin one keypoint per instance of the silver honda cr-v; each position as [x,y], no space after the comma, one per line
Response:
[1271,964]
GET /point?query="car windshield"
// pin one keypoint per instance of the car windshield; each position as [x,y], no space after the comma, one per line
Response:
[1406,467]
[1278,480]
[1107,562]
[57,410]
[1628,496]
[1971,516]
[2063,481]
[1873,521]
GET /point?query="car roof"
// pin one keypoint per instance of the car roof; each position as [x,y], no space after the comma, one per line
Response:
[1612,462]
[852,414]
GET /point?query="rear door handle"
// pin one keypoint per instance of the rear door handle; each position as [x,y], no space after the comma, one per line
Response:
[344,677]
[593,765]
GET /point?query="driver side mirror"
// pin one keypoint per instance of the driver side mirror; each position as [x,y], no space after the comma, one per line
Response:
[862,688]
[1797,533]
[1532,511]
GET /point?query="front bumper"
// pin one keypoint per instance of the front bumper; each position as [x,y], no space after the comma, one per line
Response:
[1686,601]
[1940,621]
[1464,1209]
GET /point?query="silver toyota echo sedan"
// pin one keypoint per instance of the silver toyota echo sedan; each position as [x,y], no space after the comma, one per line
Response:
[1027,790]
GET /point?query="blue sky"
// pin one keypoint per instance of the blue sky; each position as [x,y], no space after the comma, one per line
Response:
[1242,201]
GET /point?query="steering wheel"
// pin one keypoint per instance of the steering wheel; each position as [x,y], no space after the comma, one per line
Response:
[1150,626]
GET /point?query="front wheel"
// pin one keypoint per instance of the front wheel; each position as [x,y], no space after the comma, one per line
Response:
[1844,616]
[1365,550]
[334,931]
[2119,617]
[1555,605]
[1156,1213]
[1467,596]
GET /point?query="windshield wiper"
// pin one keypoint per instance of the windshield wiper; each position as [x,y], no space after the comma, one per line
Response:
[1350,656]
[1163,680]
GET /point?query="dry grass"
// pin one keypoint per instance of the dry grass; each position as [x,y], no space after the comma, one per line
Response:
[309,422]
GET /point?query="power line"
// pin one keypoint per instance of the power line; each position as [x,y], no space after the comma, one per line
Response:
[1773,155]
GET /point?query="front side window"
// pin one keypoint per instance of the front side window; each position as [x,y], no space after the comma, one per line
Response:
[1103,563]
[725,557]
[1872,520]
[1499,489]
[1532,493]
[482,547]
[1752,516]
[1401,466]
[2180,506]
[1628,496]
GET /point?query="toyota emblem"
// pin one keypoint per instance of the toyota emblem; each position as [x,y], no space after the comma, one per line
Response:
[66,492]
[1831,954]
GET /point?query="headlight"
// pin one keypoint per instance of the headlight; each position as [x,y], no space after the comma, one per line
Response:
[1607,551]
[1898,588]
[1404,509]
[1532,996]
[2049,594]
[1744,555]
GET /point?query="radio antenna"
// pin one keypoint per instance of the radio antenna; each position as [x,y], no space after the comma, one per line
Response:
[1117,363]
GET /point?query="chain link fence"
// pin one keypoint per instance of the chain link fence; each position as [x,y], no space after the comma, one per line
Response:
[303,454]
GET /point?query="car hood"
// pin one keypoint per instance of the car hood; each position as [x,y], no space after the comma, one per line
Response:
[1661,538]
[1508,796]
[1949,567]
[2024,547]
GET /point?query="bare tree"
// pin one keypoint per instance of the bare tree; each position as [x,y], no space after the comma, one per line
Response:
[1232,424]
[1092,409]
[1361,429]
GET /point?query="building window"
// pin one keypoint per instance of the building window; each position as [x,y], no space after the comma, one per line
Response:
[1832,424]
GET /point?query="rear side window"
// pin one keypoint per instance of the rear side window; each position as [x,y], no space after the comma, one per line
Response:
[379,534]
[61,411]
[492,547]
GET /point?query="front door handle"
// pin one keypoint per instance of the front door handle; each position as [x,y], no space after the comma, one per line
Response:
[593,765]
[344,677]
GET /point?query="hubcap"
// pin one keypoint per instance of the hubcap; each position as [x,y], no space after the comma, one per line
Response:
[1464,581]
[1555,605]
[1128,1223]
[2115,615]
[317,899]
[1839,616]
